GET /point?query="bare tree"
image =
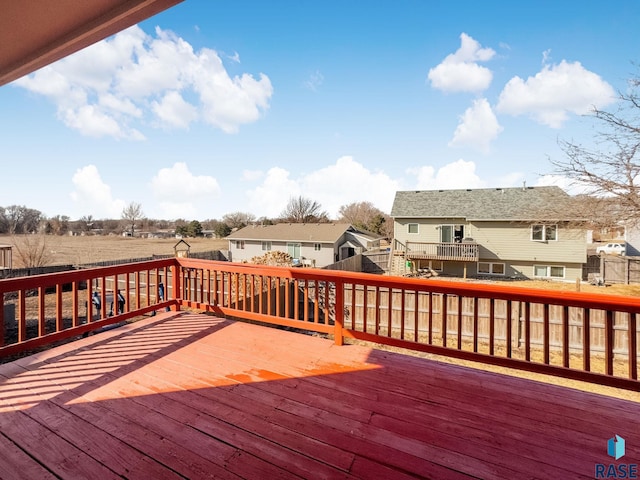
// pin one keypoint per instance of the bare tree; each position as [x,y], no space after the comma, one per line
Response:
[20,219]
[131,214]
[237,220]
[610,168]
[366,216]
[303,210]
[33,250]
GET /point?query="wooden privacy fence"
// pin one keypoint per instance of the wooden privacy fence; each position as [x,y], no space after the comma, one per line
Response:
[417,305]
[620,269]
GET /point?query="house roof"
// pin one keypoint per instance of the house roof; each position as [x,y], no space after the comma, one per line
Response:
[296,232]
[35,33]
[522,203]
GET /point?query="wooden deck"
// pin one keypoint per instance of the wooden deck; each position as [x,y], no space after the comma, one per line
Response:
[195,396]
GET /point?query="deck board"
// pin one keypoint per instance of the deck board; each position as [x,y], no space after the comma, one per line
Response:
[195,396]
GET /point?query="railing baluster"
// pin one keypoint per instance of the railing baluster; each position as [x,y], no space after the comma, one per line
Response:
[509,327]
[459,332]
[545,334]
[492,326]
[445,301]
[402,313]
[475,324]
[22,316]
[353,306]
[377,332]
[416,317]
[608,342]
[633,346]
[59,319]
[430,318]
[586,339]
[364,308]
[41,312]
[566,353]
[389,311]
[527,331]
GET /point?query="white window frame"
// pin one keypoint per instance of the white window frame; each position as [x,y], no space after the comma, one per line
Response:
[490,269]
[239,244]
[544,230]
[409,228]
[266,245]
[548,271]
[317,247]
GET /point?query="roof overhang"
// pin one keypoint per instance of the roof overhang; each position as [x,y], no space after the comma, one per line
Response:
[35,33]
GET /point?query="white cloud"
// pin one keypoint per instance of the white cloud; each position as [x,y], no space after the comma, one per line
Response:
[339,184]
[460,71]
[180,193]
[572,187]
[133,80]
[458,174]
[251,175]
[478,127]
[555,92]
[173,110]
[314,81]
[93,195]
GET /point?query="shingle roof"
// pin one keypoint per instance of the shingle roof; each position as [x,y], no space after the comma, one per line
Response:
[523,203]
[293,232]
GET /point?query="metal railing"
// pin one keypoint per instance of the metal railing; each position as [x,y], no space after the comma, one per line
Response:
[570,334]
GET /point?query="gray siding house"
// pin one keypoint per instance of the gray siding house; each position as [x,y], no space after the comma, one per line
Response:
[524,232]
[314,245]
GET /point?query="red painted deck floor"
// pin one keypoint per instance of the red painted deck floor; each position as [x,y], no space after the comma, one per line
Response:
[194,396]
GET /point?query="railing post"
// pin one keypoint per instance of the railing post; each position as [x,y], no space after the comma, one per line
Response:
[339,320]
[175,281]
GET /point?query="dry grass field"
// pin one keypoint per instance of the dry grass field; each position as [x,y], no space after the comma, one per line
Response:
[78,250]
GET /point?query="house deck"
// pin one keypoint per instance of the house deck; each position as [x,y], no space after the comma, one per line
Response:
[191,395]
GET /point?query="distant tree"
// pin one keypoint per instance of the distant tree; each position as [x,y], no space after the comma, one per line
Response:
[58,225]
[265,221]
[86,223]
[192,229]
[131,214]
[20,219]
[238,219]
[303,210]
[610,168]
[366,216]
[220,229]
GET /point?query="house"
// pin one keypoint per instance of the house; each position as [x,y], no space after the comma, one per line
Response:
[524,232]
[309,244]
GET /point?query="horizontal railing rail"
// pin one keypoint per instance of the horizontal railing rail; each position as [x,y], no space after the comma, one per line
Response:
[443,251]
[570,334]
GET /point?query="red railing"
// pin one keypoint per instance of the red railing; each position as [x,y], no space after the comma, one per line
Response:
[574,335]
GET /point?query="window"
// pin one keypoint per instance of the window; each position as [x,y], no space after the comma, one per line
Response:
[542,233]
[240,244]
[548,271]
[266,246]
[489,268]
[412,228]
[317,247]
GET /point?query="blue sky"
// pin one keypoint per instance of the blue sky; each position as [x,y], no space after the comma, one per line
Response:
[215,107]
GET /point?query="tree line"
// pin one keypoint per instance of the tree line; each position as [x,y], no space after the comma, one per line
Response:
[19,219]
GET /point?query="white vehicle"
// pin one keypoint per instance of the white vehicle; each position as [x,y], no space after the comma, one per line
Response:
[612,249]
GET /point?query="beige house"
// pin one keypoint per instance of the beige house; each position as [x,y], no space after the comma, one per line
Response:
[309,244]
[521,232]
